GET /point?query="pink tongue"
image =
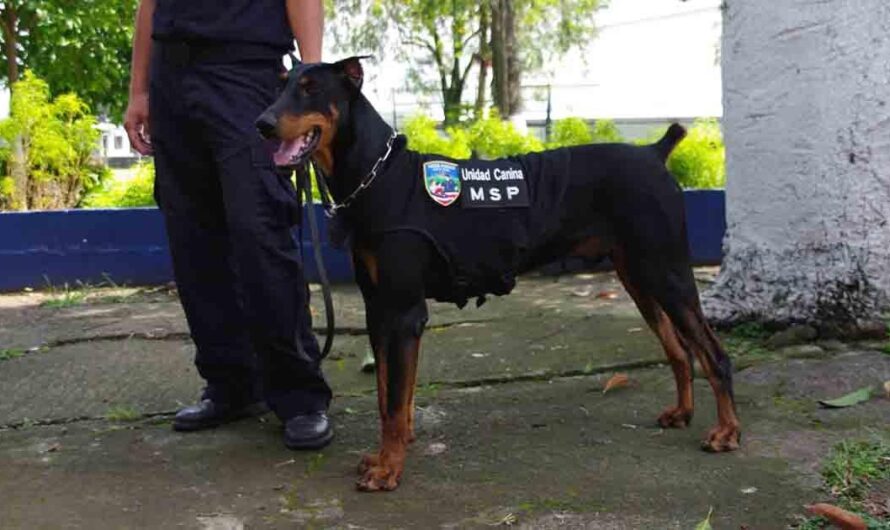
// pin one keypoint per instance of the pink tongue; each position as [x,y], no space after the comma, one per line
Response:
[288,150]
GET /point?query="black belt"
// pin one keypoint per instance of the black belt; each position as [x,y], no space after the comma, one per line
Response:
[195,51]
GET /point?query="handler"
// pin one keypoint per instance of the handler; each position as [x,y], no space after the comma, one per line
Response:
[202,71]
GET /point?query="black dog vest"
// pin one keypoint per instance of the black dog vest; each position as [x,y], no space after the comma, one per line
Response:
[483,217]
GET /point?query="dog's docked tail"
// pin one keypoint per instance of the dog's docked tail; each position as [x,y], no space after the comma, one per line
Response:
[669,141]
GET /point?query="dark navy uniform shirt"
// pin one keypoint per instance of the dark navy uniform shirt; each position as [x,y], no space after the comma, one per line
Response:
[225,21]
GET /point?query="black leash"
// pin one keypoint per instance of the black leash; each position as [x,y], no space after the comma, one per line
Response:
[304,185]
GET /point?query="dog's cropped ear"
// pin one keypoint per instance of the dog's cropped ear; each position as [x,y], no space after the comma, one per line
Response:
[352,69]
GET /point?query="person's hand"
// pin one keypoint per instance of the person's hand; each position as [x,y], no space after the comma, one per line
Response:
[136,123]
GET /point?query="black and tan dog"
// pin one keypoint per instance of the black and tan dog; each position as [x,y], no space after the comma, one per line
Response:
[424,226]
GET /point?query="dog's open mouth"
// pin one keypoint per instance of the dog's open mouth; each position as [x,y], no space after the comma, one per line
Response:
[295,152]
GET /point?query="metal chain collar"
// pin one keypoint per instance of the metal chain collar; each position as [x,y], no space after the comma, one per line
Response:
[332,209]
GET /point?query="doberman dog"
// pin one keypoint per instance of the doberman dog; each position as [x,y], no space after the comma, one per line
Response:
[424,226]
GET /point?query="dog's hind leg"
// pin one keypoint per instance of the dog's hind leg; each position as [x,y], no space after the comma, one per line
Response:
[648,215]
[677,294]
[680,415]
[717,366]
[397,315]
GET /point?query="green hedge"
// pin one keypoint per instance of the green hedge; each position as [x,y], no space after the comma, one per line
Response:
[132,192]
[697,162]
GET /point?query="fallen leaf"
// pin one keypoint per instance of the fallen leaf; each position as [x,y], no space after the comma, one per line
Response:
[838,516]
[607,295]
[616,381]
[853,398]
[887,389]
[706,524]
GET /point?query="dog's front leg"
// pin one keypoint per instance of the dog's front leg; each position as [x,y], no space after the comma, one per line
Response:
[398,321]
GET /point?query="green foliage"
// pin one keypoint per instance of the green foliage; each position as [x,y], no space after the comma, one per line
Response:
[706,524]
[852,466]
[547,28]
[848,473]
[449,37]
[66,296]
[7,188]
[492,137]
[122,413]
[699,161]
[7,354]
[488,137]
[605,131]
[135,191]
[575,131]
[81,47]
[568,132]
[423,137]
[57,139]
[750,330]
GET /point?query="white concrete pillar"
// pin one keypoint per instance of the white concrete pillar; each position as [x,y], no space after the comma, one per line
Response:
[807,128]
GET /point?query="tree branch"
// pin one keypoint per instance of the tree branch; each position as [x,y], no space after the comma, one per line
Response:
[420,44]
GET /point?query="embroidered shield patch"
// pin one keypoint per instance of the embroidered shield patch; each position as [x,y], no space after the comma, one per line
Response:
[442,181]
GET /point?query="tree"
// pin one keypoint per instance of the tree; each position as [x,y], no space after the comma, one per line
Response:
[527,33]
[445,33]
[808,195]
[80,46]
[443,40]
[57,139]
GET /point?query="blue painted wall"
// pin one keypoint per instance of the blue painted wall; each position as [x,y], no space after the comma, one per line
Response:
[706,225]
[129,246]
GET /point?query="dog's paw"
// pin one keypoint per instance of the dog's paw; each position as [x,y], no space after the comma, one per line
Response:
[368,461]
[722,439]
[675,418]
[380,478]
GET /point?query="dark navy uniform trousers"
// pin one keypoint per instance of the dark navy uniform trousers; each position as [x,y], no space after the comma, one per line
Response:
[230,219]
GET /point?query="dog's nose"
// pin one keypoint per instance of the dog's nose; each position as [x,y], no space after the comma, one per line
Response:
[266,125]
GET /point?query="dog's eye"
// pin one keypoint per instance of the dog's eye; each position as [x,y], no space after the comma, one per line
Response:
[308,87]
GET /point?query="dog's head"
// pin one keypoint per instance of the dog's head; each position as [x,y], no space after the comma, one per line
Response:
[309,110]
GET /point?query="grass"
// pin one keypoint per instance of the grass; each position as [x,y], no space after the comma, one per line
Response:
[314,463]
[853,465]
[848,474]
[66,296]
[122,413]
[82,292]
[750,331]
[430,390]
[11,353]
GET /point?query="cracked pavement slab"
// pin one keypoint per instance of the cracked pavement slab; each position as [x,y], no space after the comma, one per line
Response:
[513,426]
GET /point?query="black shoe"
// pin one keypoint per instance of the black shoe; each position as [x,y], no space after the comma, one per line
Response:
[209,413]
[308,431]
